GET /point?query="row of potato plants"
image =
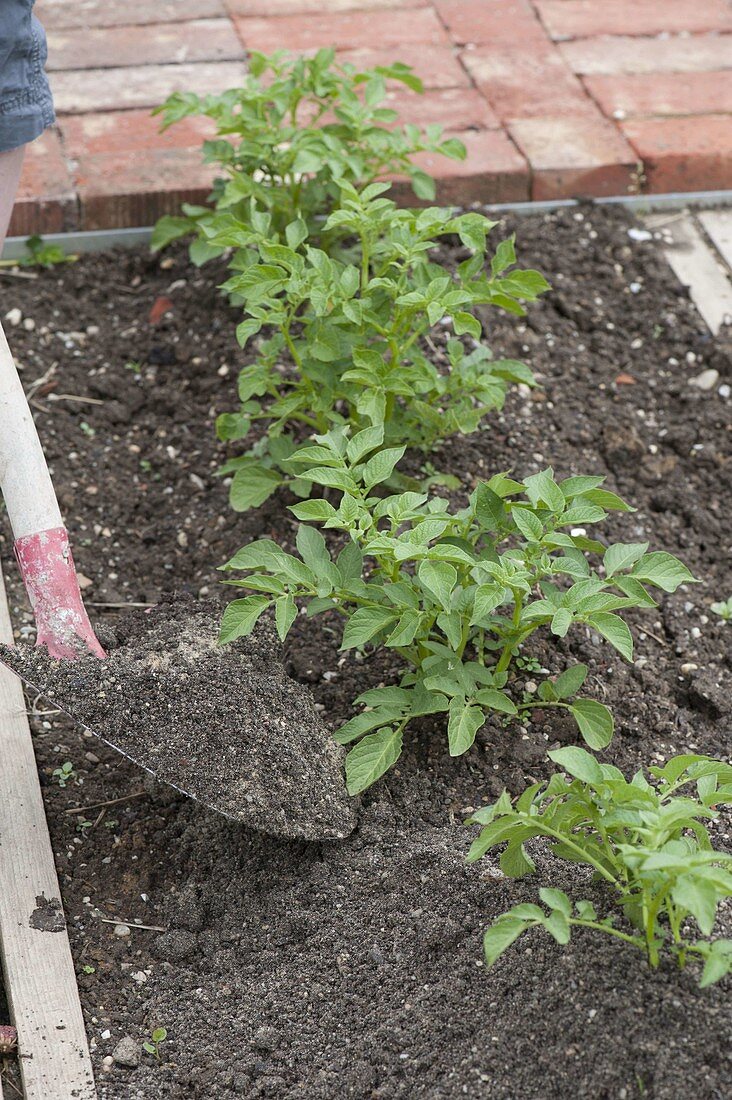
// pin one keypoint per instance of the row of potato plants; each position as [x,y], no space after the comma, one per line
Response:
[343,293]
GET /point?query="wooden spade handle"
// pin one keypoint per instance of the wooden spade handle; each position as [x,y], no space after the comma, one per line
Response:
[41,541]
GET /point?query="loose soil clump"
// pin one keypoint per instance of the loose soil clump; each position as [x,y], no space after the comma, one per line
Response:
[353,968]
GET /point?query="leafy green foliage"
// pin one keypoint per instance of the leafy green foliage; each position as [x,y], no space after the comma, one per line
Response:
[455,593]
[40,253]
[297,125]
[724,609]
[152,1045]
[646,839]
[338,282]
[65,774]
[355,332]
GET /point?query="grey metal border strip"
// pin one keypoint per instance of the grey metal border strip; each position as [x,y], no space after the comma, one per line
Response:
[99,240]
[90,240]
[640,204]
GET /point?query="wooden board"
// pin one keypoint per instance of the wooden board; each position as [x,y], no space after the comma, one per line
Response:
[718,226]
[698,267]
[40,982]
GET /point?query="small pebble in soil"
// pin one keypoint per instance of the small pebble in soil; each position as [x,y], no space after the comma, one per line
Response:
[122,930]
[127,1052]
[636,234]
[707,380]
[266,1038]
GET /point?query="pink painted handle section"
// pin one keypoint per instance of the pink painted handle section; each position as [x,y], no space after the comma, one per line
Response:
[47,568]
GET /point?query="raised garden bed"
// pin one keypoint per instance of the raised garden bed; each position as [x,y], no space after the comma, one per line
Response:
[354,968]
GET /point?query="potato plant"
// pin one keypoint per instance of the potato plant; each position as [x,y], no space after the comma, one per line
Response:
[647,840]
[455,593]
[295,127]
[355,332]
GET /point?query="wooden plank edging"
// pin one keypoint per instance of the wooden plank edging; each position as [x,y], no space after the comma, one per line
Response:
[38,969]
[697,267]
[718,227]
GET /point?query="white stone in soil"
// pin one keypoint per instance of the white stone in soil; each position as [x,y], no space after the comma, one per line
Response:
[707,380]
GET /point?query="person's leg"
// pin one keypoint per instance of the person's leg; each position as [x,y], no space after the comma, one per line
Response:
[10,167]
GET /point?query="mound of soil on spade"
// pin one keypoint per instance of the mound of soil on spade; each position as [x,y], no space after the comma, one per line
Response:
[226,726]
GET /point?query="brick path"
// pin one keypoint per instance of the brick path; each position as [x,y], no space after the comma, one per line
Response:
[554,98]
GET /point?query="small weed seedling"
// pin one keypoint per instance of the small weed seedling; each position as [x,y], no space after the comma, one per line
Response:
[153,1044]
[455,594]
[723,609]
[646,839]
[40,253]
[65,774]
[355,333]
[282,140]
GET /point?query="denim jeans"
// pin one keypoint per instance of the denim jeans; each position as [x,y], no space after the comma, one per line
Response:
[26,106]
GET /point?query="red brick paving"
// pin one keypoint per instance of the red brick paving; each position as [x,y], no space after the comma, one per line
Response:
[317,7]
[649,94]
[129,131]
[575,156]
[493,171]
[134,188]
[345,30]
[588,19]
[452,108]
[85,90]
[677,54]
[125,13]
[554,98]
[46,200]
[160,44]
[437,66]
[128,173]
[677,151]
[491,22]
[527,82]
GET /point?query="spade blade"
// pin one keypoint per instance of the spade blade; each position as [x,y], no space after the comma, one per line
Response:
[225,726]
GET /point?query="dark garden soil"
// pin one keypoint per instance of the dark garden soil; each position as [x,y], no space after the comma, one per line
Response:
[353,968]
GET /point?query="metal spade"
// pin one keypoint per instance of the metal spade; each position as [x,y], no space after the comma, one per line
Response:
[225,726]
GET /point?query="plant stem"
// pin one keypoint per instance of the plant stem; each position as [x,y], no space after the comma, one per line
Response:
[464,638]
[635,940]
[514,638]
[291,346]
[365,262]
[546,830]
